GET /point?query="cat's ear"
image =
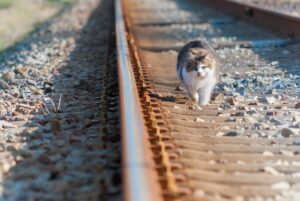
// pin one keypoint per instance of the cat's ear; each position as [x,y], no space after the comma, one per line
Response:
[190,55]
[204,54]
[210,59]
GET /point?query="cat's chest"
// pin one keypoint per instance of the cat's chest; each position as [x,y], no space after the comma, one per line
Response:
[191,80]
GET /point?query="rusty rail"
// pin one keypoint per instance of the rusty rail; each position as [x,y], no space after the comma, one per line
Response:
[278,22]
[147,134]
[139,177]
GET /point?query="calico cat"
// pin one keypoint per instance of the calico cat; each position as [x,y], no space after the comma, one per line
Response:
[198,69]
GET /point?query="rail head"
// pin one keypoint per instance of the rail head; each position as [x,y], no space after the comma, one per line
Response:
[138,168]
[281,23]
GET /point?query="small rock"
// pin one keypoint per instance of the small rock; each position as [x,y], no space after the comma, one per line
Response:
[296,142]
[4,85]
[23,110]
[258,126]
[90,123]
[224,106]
[231,101]
[55,157]
[261,134]
[287,132]
[31,82]
[5,167]
[20,69]
[286,153]
[232,134]
[220,114]
[225,128]
[239,98]
[268,153]
[113,190]
[199,193]
[241,90]
[271,170]
[55,127]
[176,107]
[297,106]
[61,187]
[295,124]
[75,139]
[251,112]
[296,118]
[8,76]
[239,114]
[2,147]
[218,97]
[48,89]
[35,90]
[250,120]
[281,185]
[5,124]
[270,91]
[60,143]
[231,119]
[178,88]
[271,113]
[241,108]
[44,159]
[220,134]
[25,153]
[268,99]
[236,74]
[199,120]
[253,103]
[18,117]
[276,121]
[286,52]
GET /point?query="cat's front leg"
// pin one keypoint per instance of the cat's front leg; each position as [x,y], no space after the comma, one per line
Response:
[204,96]
[194,96]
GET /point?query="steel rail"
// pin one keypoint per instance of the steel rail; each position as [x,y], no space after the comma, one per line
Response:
[139,176]
[279,22]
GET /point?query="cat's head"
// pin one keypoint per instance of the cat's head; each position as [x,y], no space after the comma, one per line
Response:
[200,62]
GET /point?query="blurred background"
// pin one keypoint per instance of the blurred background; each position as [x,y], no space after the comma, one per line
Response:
[20,17]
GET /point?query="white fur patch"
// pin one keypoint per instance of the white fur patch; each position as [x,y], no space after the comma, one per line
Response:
[199,88]
[193,82]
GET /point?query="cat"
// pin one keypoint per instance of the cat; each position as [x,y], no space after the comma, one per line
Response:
[198,70]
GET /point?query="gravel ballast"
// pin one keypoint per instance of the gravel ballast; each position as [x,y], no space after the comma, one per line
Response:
[59,120]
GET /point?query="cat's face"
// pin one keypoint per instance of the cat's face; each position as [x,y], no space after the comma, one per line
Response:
[200,63]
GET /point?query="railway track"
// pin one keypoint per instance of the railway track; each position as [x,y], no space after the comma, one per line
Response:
[60,106]
[286,7]
[245,144]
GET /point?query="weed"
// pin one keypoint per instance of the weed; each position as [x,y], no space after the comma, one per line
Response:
[5,4]
[66,2]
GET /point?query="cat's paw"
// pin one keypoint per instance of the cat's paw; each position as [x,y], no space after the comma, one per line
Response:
[195,97]
[179,88]
[204,98]
[203,102]
[195,107]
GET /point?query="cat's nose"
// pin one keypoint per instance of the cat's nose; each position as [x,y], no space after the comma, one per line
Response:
[199,74]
